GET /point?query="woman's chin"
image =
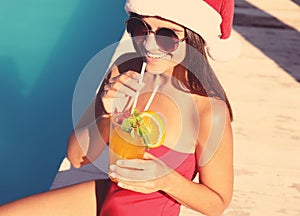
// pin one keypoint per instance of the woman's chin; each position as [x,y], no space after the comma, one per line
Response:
[155,68]
[159,67]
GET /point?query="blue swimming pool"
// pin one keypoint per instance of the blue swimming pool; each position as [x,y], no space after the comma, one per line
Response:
[44,46]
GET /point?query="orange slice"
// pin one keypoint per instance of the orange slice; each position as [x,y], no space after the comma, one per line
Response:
[155,127]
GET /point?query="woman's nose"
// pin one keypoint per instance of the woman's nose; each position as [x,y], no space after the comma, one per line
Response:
[150,43]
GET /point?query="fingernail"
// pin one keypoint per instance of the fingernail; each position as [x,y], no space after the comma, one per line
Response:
[112,167]
[112,175]
[119,162]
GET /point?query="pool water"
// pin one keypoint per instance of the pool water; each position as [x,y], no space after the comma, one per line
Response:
[44,46]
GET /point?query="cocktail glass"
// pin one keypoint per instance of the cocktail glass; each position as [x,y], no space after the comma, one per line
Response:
[123,144]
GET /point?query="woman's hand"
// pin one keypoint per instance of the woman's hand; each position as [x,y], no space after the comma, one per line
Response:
[144,176]
[120,91]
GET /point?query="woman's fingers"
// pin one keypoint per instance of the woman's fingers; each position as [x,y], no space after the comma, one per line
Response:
[130,170]
[148,156]
[113,93]
[137,170]
[120,90]
[116,104]
[130,79]
[117,87]
[132,163]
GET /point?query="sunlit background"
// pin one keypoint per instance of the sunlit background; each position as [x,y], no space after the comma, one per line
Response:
[44,45]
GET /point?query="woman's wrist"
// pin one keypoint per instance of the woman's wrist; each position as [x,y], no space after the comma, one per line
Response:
[170,181]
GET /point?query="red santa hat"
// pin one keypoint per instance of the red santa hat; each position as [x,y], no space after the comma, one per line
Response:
[212,19]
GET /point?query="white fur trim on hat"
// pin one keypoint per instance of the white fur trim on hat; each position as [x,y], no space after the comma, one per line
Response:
[196,15]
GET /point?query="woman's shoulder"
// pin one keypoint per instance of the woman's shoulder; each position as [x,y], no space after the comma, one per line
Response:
[208,105]
[214,117]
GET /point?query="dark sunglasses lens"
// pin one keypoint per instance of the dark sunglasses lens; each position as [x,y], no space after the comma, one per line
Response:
[167,39]
[137,28]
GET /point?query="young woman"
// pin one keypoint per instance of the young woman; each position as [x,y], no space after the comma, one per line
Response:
[197,115]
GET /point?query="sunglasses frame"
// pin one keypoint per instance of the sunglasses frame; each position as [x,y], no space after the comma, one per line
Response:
[155,34]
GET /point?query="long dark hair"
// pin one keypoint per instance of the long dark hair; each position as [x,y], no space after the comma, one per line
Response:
[201,77]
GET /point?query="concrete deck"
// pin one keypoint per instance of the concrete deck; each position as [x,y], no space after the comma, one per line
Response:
[265,94]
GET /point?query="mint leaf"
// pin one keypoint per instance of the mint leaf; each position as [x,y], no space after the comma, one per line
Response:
[126,125]
[135,123]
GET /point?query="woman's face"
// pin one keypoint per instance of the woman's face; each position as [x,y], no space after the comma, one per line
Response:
[159,61]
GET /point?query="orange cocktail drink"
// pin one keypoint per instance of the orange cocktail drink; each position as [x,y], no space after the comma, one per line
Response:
[131,135]
[124,144]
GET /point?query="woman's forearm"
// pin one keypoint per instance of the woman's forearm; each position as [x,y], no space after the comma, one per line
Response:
[86,144]
[75,153]
[195,196]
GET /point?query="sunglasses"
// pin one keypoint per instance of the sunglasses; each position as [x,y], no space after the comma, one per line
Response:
[166,39]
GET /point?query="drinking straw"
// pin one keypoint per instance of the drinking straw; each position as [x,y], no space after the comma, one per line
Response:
[140,82]
[151,98]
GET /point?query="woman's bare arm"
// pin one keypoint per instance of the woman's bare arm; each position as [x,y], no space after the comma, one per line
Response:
[91,134]
[89,137]
[213,193]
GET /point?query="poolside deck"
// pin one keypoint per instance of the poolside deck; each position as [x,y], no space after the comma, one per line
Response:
[263,89]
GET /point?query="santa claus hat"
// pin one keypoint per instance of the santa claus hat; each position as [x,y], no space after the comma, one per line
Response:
[211,19]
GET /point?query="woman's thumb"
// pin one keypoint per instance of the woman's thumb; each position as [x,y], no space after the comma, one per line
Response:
[148,156]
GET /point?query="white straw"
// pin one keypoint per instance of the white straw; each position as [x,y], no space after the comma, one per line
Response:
[151,98]
[142,72]
[140,82]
